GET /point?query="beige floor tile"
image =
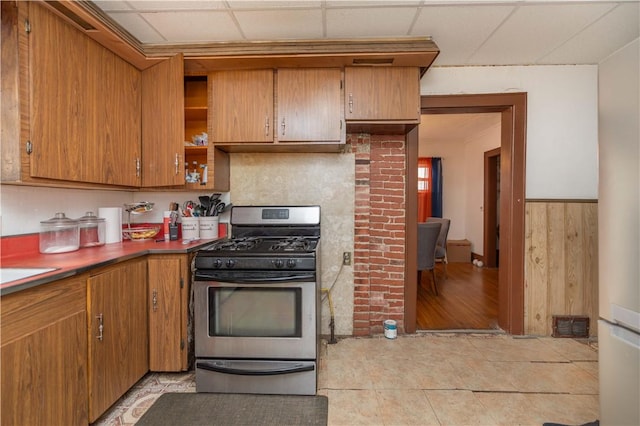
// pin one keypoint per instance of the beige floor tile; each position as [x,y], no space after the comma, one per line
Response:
[415,374]
[406,407]
[590,366]
[571,349]
[353,407]
[345,373]
[482,375]
[564,409]
[459,407]
[507,348]
[553,377]
[443,347]
[508,408]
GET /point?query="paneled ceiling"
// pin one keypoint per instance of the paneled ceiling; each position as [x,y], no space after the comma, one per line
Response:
[471,32]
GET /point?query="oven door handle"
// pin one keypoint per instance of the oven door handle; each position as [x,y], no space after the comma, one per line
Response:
[245,280]
[296,368]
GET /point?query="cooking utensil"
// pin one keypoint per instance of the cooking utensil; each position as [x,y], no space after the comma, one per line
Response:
[218,208]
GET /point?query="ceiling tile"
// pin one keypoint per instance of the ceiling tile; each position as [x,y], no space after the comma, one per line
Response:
[191,27]
[614,30]
[534,30]
[269,25]
[374,22]
[262,4]
[138,27]
[457,46]
[371,3]
[162,5]
[112,5]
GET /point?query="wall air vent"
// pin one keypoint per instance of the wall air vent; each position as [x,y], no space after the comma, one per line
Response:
[571,326]
[372,61]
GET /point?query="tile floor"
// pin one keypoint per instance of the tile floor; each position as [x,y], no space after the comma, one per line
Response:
[433,379]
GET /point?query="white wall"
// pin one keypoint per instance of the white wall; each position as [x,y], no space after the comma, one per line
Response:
[474,167]
[22,208]
[562,120]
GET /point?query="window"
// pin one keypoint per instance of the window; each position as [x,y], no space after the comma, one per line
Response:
[424,174]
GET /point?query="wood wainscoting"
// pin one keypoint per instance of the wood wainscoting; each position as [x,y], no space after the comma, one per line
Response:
[561,263]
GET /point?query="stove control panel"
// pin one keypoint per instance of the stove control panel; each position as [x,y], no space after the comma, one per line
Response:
[256,263]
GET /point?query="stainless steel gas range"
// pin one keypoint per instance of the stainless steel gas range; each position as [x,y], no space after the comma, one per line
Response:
[257,303]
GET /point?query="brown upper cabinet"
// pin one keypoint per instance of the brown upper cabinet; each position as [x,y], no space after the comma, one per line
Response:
[91,119]
[241,106]
[309,107]
[307,102]
[84,117]
[162,124]
[386,94]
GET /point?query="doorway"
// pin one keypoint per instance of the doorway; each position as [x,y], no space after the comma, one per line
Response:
[512,107]
[467,297]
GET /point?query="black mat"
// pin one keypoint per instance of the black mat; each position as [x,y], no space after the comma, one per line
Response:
[199,409]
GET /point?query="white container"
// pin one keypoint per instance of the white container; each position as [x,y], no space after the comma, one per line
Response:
[190,228]
[390,329]
[209,227]
[113,220]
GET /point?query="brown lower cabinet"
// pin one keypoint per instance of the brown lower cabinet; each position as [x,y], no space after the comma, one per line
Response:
[118,338]
[73,347]
[43,352]
[169,278]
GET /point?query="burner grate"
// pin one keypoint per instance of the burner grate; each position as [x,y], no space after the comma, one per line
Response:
[291,244]
[237,244]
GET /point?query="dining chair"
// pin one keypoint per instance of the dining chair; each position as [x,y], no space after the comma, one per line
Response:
[427,239]
[441,245]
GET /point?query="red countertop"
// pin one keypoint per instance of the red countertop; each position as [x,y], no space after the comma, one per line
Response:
[22,251]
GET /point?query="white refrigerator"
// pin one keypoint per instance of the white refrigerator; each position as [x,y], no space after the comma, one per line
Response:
[619,237]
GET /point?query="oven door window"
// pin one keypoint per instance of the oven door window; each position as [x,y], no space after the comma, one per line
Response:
[255,312]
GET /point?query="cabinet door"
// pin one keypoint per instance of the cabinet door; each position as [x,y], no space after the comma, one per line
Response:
[163,123]
[58,97]
[241,106]
[168,312]
[382,93]
[113,98]
[309,105]
[44,355]
[118,333]
[84,107]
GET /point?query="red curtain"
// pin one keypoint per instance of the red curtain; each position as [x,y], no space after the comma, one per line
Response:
[424,188]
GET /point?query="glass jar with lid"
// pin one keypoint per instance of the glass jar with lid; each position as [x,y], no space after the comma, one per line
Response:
[59,235]
[92,230]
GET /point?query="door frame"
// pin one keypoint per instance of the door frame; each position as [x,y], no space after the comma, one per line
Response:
[489,220]
[513,108]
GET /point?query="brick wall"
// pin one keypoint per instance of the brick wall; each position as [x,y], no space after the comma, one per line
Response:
[379,257]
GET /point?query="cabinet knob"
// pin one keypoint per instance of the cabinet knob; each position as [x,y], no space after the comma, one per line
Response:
[138,167]
[351,103]
[283,126]
[266,125]
[177,164]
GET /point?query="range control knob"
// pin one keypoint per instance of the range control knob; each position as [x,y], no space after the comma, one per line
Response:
[217,263]
[278,263]
[231,263]
[291,263]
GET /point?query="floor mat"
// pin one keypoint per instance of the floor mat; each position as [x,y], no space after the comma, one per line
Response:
[196,409]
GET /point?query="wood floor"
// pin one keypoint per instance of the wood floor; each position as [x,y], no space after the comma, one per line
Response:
[466,300]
